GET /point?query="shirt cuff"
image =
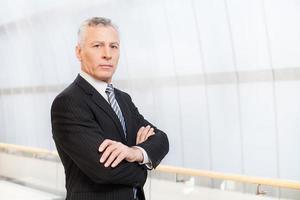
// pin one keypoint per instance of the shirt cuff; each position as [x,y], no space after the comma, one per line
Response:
[146,161]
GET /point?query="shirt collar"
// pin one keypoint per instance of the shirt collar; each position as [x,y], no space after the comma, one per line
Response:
[100,86]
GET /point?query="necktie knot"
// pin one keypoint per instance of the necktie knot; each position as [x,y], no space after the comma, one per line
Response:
[109,88]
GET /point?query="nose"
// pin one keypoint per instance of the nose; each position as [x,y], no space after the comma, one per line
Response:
[106,54]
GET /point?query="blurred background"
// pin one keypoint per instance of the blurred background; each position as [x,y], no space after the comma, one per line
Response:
[220,77]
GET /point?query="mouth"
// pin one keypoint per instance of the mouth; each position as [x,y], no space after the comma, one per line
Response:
[106,66]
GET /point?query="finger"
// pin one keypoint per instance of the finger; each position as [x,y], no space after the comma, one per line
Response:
[107,152]
[144,134]
[105,144]
[150,133]
[119,159]
[112,157]
[146,130]
[138,136]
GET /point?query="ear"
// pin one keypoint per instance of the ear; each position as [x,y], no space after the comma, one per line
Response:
[78,52]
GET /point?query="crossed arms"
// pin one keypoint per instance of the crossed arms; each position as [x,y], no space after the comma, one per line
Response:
[114,152]
[79,137]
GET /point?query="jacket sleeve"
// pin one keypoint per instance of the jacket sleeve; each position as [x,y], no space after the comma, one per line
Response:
[156,146]
[77,134]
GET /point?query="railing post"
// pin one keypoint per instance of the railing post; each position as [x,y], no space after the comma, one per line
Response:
[260,192]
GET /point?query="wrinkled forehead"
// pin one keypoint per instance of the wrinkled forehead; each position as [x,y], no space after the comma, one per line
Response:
[100,33]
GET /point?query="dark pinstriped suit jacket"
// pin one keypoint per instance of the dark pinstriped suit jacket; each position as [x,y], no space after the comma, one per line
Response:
[81,119]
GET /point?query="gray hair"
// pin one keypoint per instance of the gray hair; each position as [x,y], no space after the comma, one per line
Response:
[94,22]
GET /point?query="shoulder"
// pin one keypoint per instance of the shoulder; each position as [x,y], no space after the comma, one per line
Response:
[68,98]
[77,90]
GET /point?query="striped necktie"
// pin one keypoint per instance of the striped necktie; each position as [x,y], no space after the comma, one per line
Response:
[115,106]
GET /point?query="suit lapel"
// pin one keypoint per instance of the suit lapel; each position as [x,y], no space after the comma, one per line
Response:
[126,114]
[104,105]
[101,103]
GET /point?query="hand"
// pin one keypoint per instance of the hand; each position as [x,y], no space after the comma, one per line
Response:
[114,152]
[144,133]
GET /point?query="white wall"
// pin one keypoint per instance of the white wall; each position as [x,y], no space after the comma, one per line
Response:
[220,77]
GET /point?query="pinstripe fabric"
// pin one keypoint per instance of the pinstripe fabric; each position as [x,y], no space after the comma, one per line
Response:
[81,120]
[115,106]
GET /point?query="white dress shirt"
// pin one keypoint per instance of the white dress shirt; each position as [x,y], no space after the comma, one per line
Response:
[100,86]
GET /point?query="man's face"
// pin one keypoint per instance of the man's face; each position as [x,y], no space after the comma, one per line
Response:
[99,52]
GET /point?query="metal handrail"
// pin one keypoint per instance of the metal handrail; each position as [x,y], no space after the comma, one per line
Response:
[281,183]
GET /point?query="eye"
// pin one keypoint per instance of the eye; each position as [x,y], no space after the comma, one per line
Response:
[96,45]
[114,46]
